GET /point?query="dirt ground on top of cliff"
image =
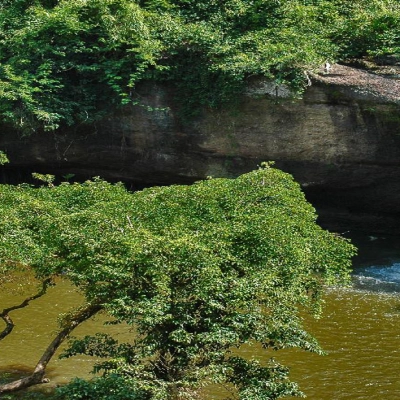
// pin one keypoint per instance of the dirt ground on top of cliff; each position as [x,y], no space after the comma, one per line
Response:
[367,78]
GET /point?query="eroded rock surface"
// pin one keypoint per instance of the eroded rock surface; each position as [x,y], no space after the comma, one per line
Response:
[341,141]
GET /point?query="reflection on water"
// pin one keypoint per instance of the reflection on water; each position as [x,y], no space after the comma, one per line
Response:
[375,250]
[359,331]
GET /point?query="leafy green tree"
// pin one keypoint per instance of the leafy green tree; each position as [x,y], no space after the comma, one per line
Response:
[366,28]
[198,271]
[66,62]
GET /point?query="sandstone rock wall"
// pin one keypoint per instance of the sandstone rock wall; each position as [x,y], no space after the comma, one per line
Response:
[343,149]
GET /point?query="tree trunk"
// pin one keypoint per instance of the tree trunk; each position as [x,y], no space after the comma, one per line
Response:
[40,369]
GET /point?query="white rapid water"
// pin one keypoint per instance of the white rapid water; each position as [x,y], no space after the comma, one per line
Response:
[379,278]
[377,268]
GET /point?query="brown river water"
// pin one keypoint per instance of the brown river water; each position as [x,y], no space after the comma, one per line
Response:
[359,330]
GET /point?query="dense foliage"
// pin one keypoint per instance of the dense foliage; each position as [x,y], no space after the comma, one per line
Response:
[197,271]
[66,61]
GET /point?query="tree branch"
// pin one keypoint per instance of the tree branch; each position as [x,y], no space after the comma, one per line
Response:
[38,373]
[4,315]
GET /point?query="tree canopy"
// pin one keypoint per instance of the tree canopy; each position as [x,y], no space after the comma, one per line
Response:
[198,271]
[64,62]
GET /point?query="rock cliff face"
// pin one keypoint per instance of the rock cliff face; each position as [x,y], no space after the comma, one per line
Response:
[341,141]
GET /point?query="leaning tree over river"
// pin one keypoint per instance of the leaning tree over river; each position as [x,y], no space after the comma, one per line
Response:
[198,271]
